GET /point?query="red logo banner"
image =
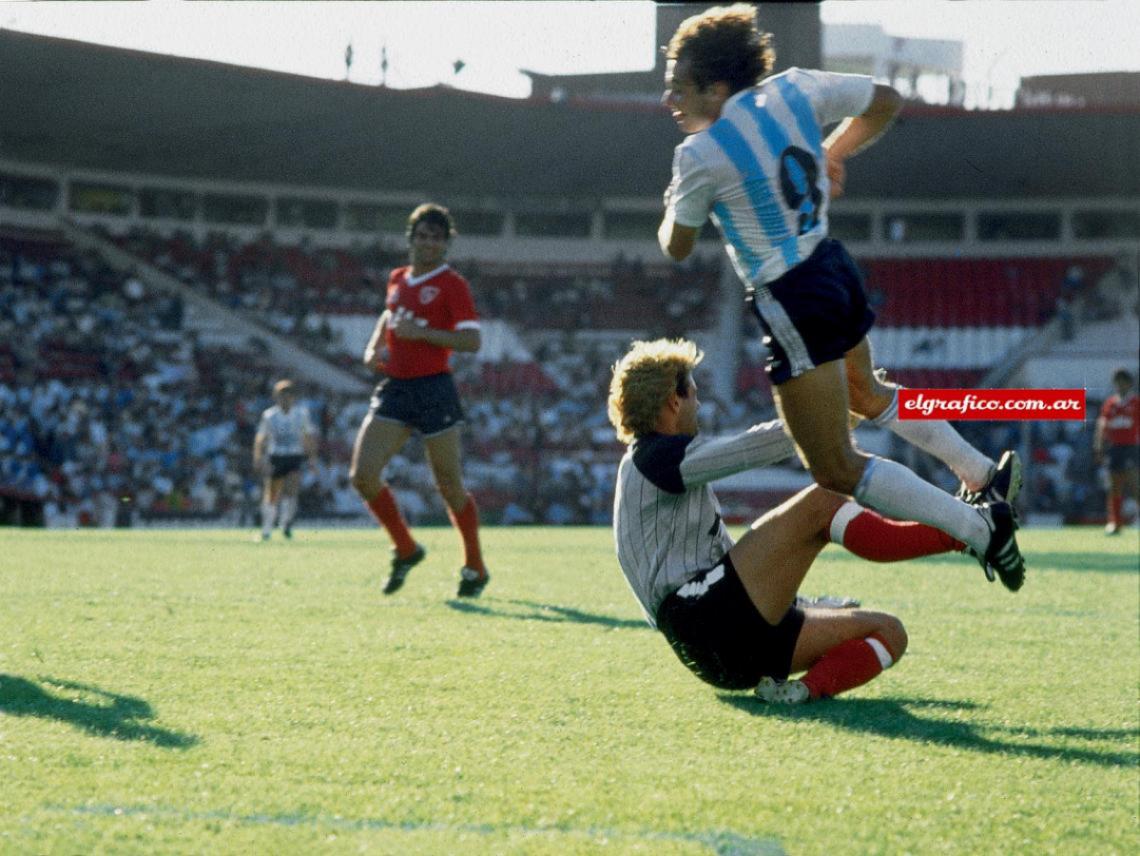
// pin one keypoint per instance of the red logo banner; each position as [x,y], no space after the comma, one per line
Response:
[992,404]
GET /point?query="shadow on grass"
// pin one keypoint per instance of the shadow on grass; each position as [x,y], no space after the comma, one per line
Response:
[533,611]
[896,719]
[1101,563]
[120,717]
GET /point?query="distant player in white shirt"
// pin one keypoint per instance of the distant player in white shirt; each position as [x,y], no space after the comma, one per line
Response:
[729,609]
[757,163]
[285,437]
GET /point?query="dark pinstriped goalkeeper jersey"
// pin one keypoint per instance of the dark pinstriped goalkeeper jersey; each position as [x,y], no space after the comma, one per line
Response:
[667,523]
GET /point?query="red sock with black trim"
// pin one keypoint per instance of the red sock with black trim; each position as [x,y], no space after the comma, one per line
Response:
[871,536]
[466,520]
[387,513]
[848,665]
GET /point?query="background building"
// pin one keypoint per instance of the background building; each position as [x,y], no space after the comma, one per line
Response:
[176,233]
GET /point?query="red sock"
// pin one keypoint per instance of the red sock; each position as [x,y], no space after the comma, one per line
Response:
[871,536]
[466,520]
[387,513]
[1115,508]
[848,665]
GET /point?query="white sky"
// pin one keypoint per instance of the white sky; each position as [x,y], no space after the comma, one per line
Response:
[1003,40]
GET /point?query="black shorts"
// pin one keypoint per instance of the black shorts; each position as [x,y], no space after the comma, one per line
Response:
[813,314]
[1122,459]
[429,404]
[716,630]
[284,465]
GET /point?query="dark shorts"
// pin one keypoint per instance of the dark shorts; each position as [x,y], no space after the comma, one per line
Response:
[429,404]
[717,632]
[284,465]
[813,314]
[1122,459]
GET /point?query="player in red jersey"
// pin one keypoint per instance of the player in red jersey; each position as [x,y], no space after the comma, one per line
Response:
[1117,438]
[429,313]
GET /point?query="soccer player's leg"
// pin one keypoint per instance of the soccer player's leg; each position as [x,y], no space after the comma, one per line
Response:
[1122,485]
[290,491]
[377,441]
[814,407]
[875,538]
[774,556]
[1131,489]
[269,497]
[839,650]
[443,454]
[877,400]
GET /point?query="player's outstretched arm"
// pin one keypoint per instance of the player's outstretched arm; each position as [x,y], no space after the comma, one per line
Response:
[857,132]
[759,446]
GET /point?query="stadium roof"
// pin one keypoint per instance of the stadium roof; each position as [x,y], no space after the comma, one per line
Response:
[78,105]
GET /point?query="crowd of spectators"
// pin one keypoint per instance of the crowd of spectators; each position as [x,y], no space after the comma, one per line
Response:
[293,289]
[103,410]
[112,413]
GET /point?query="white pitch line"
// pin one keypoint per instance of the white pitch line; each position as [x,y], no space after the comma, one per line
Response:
[720,843]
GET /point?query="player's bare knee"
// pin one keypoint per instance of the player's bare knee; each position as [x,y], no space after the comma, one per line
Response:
[452,492]
[871,399]
[894,633]
[839,473]
[364,484]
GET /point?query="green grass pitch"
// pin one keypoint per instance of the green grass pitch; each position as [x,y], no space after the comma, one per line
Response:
[193,692]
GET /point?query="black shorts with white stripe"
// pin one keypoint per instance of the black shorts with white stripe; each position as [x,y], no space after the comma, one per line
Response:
[813,314]
[717,632]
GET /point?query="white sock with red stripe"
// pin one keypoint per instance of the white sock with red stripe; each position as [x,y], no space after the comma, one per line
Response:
[848,665]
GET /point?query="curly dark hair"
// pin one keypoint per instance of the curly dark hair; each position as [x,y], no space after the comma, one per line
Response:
[723,43]
[436,215]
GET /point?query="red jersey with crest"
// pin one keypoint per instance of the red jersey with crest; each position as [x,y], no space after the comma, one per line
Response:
[440,299]
[1121,419]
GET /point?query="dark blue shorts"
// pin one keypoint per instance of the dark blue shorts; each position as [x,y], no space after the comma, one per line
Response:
[285,465]
[1121,459]
[813,314]
[429,404]
[717,632]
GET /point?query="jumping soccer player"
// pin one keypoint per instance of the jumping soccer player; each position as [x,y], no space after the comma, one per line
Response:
[728,609]
[429,314]
[285,434]
[1118,433]
[756,161]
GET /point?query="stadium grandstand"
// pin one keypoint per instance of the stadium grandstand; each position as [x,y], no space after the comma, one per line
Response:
[175,234]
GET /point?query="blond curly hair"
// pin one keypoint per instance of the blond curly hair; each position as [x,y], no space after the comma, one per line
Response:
[644,379]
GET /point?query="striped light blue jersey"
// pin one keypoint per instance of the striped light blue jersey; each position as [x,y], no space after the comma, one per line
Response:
[760,170]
